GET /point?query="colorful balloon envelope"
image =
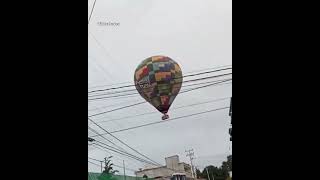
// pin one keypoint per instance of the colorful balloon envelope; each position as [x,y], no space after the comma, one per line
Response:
[158,80]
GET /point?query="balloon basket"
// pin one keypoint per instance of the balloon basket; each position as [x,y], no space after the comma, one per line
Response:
[165,116]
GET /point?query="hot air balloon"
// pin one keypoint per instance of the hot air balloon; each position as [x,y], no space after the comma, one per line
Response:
[158,80]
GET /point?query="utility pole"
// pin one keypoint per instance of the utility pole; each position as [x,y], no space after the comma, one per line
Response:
[124,170]
[101,165]
[207,173]
[190,153]
[230,114]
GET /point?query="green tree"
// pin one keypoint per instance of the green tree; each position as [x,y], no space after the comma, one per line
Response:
[229,163]
[108,166]
[219,173]
[226,166]
[199,173]
[213,171]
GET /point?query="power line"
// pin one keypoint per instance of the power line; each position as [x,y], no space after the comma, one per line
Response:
[199,70]
[107,89]
[104,50]
[167,120]
[127,145]
[101,68]
[153,112]
[204,86]
[94,159]
[104,150]
[126,154]
[113,164]
[97,108]
[110,88]
[109,84]
[98,148]
[133,157]
[120,148]
[173,78]
[146,101]
[158,122]
[128,90]
[122,141]
[121,151]
[206,72]
[126,168]
[117,109]
[118,97]
[106,97]
[93,163]
[136,93]
[92,10]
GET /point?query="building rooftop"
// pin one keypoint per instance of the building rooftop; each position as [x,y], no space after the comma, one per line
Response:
[146,169]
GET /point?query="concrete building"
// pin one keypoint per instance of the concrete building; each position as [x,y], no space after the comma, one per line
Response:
[164,172]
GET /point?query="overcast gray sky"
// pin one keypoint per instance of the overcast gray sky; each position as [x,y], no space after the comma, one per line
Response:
[196,34]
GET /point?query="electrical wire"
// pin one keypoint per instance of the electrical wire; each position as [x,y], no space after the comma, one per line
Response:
[136,93]
[188,90]
[123,142]
[131,105]
[142,102]
[106,139]
[107,89]
[128,90]
[158,122]
[112,163]
[93,163]
[92,11]
[113,104]
[199,70]
[111,153]
[126,154]
[153,112]
[121,150]
[95,159]
[133,157]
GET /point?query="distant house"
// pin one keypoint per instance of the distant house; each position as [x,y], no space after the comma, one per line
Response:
[164,172]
